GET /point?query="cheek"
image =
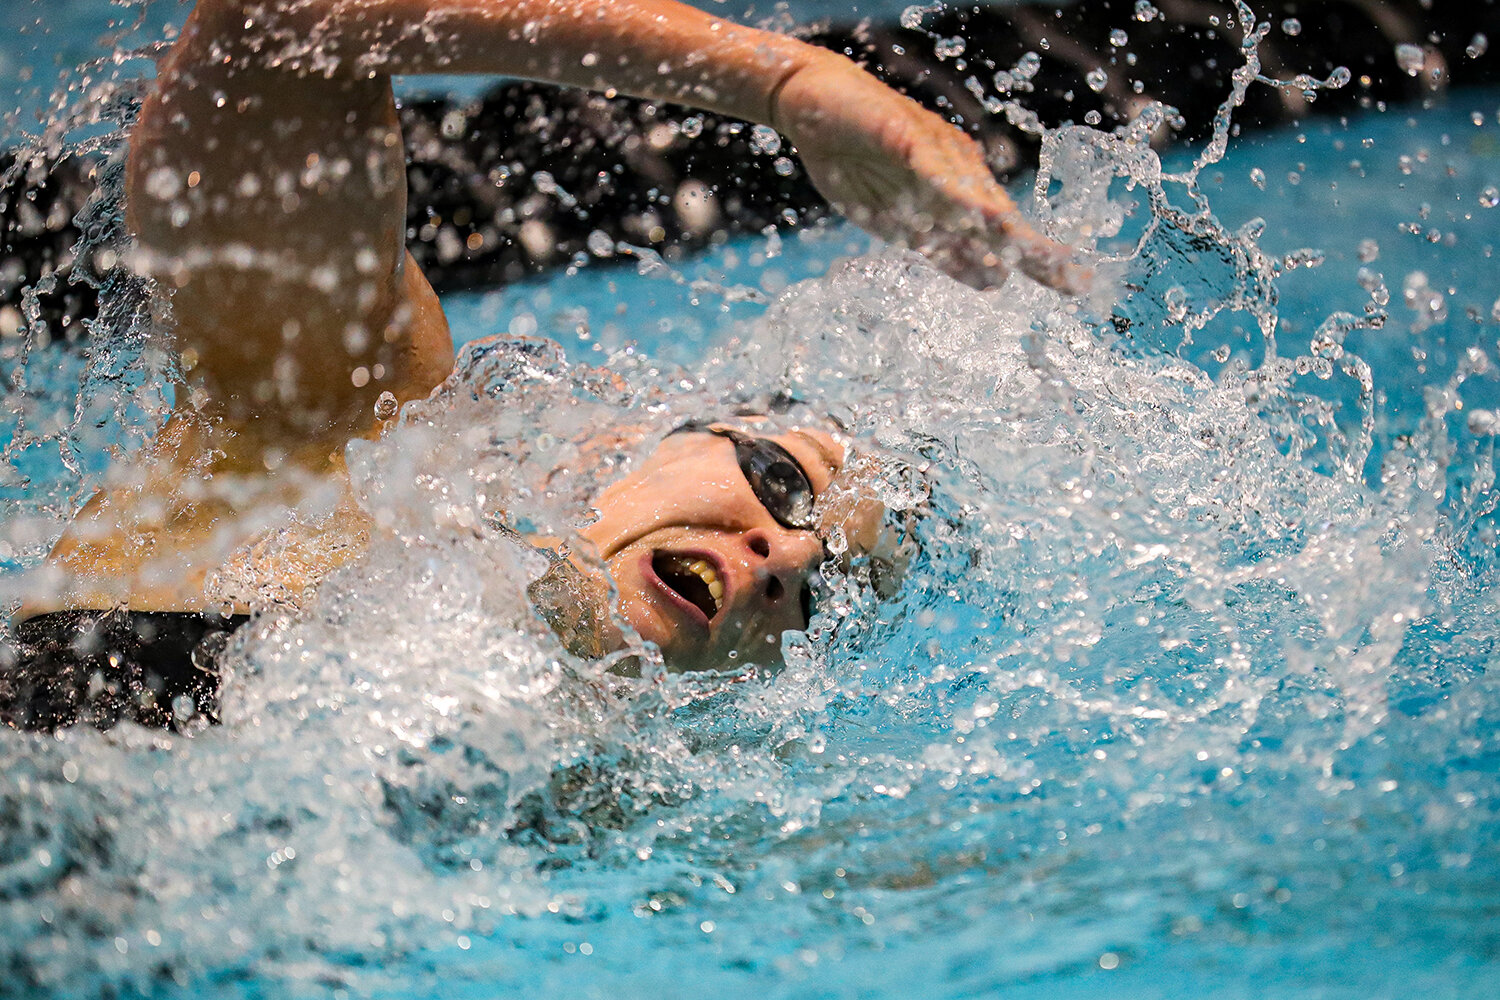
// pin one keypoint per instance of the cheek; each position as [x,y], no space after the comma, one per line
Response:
[637,603]
[634,603]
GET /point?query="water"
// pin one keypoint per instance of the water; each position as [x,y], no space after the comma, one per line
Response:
[1189,689]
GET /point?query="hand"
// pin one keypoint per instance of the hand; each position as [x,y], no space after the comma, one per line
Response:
[906,175]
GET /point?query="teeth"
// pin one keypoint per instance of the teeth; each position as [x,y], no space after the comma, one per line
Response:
[704,570]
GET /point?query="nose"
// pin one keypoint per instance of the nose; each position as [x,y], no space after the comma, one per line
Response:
[786,558]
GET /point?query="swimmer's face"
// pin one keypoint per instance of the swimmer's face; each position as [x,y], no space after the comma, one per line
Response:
[703,565]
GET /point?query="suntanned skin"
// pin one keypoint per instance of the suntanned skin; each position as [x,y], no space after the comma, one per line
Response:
[266,191]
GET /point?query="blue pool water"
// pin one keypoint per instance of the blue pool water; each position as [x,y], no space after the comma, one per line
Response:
[1190,691]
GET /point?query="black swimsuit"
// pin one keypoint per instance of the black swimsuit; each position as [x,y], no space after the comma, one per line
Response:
[156,668]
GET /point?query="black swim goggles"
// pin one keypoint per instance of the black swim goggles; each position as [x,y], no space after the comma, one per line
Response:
[776,478]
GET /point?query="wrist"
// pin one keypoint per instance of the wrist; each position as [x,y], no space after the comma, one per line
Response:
[792,99]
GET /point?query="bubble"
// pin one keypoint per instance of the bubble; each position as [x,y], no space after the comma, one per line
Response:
[783,167]
[1291,27]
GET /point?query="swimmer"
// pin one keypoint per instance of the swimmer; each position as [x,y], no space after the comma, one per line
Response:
[266,194]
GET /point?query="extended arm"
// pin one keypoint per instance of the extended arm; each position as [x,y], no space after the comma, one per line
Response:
[890,165]
[267,176]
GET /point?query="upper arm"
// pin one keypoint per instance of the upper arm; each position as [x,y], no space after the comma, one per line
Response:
[272,203]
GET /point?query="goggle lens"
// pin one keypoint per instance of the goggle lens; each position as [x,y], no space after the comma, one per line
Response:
[776,478]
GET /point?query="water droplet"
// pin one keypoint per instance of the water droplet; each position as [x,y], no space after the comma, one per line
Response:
[692,126]
[1291,26]
[1410,58]
[1097,79]
[764,140]
[1305,257]
[1176,303]
[1340,77]
[949,48]
[600,244]
[783,167]
[911,17]
[1478,46]
[1483,421]
[1490,196]
[1369,250]
[1028,65]
[386,406]
[1258,178]
[163,183]
[1118,38]
[1144,11]
[1327,344]
[1093,118]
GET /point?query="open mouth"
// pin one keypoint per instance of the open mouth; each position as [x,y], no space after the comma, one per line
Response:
[694,580]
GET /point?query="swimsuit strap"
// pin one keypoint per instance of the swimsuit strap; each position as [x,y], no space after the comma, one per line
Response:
[154,668]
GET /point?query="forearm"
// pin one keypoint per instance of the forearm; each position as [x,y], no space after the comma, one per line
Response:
[655,49]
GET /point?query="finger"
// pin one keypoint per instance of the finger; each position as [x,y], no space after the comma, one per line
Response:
[998,229]
[965,259]
[1054,265]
